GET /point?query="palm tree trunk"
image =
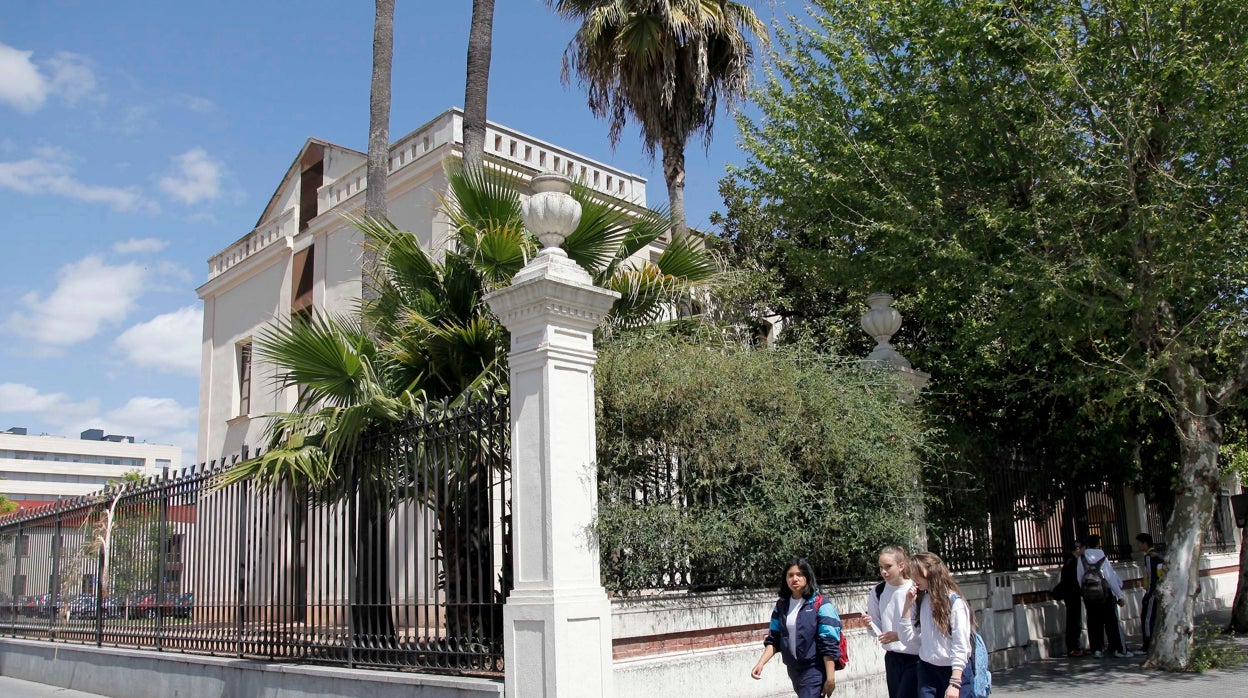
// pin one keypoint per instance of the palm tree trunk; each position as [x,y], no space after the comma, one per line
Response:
[477,84]
[674,174]
[378,133]
[374,631]
[1200,435]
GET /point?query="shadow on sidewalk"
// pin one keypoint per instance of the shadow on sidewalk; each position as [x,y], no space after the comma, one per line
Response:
[1089,676]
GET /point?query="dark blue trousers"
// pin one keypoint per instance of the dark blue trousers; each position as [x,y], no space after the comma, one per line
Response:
[807,681]
[901,669]
[933,680]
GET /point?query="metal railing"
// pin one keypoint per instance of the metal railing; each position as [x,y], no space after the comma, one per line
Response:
[402,563]
[1021,515]
[1219,536]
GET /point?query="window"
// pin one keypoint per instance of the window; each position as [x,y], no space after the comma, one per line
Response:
[244,379]
[301,279]
[310,179]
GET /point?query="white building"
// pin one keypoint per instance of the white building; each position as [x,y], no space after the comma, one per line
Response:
[37,470]
[302,254]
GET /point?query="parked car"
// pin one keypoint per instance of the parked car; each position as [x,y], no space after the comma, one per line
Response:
[82,606]
[153,605]
[183,605]
[85,606]
[40,606]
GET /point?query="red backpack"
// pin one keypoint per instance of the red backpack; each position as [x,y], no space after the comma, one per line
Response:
[843,661]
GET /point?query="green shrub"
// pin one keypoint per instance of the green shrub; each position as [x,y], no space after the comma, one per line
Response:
[718,463]
[1213,648]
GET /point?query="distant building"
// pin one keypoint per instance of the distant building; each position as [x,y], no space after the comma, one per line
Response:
[302,254]
[38,470]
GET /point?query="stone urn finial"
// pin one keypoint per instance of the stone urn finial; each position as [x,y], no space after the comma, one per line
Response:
[882,322]
[551,213]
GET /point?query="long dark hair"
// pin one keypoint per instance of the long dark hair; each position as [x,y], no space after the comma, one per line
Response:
[803,566]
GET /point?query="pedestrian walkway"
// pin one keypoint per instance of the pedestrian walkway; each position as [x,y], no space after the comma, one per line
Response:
[16,688]
[1088,677]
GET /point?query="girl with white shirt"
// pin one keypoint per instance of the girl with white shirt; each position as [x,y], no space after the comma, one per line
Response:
[942,627]
[884,606]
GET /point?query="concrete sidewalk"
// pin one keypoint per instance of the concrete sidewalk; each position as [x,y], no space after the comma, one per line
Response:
[1088,677]
[16,688]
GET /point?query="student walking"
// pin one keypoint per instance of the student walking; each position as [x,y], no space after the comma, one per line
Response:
[1154,566]
[942,626]
[806,631]
[884,606]
[1102,593]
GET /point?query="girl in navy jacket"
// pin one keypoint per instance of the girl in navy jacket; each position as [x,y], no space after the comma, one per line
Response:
[806,630]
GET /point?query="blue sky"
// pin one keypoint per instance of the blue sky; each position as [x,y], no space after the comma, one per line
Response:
[139,138]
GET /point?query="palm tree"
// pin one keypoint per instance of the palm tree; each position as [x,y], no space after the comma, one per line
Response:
[378,167]
[477,84]
[665,62]
[430,337]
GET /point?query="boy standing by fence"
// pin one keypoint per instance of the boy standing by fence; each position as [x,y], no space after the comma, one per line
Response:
[1153,567]
[1102,594]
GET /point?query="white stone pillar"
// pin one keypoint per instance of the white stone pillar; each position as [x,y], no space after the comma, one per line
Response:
[557,619]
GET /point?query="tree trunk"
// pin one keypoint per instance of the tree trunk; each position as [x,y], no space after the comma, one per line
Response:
[465,539]
[378,134]
[374,634]
[477,84]
[674,173]
[1239,609]
[1200,435]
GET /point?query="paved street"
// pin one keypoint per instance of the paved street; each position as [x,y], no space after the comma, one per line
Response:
[1056,678]
[1088,677]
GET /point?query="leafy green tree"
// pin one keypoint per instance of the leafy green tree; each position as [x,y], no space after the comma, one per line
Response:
[1056,191]
[666,63]
[431,338]
[718,462]
[7,506]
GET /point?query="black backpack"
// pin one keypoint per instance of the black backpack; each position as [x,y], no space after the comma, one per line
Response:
[1093,585]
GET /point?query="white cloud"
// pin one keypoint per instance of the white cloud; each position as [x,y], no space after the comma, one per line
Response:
[89,294]
[26,86]
[198,178]
[140,246]
[151,419]
[21,85]
[169,342]
[148,415]
[70,77]
[50,173]
[199,104]
[17,397]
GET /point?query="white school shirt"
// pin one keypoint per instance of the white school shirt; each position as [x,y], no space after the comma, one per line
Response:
[1089,558]
[936,648]
[790,621]
[885,612]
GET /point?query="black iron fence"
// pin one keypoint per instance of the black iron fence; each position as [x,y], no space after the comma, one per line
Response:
[1022,516]
[1219,534]
[404,564]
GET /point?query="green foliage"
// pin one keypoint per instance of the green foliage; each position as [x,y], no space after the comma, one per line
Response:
[1054,193]
[7,506]
[1214,648]
[723,461]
